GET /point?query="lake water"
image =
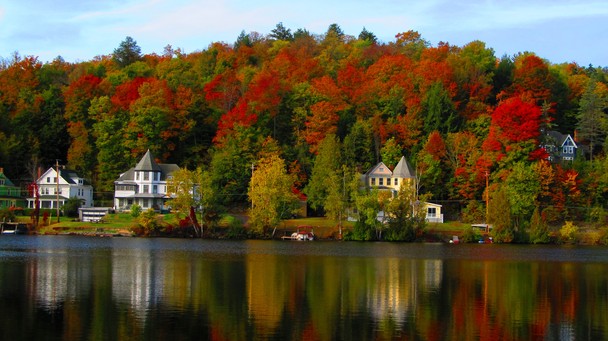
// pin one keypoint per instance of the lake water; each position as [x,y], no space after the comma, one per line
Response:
[73,288]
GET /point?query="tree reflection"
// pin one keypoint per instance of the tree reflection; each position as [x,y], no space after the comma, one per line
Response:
[177,294]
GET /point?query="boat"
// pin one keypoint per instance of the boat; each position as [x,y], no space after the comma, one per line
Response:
[305,233]
[13,228]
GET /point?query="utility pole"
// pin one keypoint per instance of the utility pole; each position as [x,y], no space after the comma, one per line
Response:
[487,202]
[57,186]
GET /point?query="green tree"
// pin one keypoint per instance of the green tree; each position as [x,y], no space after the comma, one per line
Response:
[439,111]
[499,216]
[358,146]
[523,189]
[270,193]
[231,165]
[280,32]
[113,155]
[327,163]
[367,35]
[191,191]
[340,185]
[368,206]
[592,119]
[391,152]
[406,215]
[127,52]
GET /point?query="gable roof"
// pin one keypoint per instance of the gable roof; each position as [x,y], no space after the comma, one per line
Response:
[67,175]
[7,181]
[403,170]
[559,139]
[377,166]
[147,163]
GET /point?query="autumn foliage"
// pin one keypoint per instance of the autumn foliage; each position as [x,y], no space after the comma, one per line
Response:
[456,112]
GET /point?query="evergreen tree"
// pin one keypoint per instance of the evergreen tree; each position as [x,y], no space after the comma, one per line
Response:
[127,53]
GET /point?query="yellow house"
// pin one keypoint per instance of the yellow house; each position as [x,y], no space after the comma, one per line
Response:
[383,178]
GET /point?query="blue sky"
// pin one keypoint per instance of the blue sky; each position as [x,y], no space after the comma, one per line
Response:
[78,30]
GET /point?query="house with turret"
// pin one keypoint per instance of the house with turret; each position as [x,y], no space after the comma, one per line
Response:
[384,179]
[144,185]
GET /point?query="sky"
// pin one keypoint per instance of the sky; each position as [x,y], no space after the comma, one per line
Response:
[79,30]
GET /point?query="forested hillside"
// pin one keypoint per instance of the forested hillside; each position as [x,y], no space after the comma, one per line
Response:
[458,114]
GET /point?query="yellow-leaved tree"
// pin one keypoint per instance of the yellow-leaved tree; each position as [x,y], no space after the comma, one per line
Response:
[271,194]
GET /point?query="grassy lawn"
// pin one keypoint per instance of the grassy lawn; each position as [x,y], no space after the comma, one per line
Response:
[112,224]
[121,223]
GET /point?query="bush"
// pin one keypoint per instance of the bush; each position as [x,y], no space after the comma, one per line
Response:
[135,210]
[568,233]
[470,235]
[236,230]
[603,236]
[71,206]
[7,215]
[597,215]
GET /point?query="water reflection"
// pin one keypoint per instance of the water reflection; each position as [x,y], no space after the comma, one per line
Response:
[74,288]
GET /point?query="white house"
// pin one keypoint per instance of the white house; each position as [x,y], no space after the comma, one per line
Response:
[383,178]
[144,185]
[55,190]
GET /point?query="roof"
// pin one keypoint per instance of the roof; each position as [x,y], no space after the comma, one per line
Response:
[7,181]
[558,138]
[403,170]
[147,163]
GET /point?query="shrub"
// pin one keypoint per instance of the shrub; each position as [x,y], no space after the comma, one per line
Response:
[7,215]
[71,206]
[470,235]
[597,215]
[135,210]
[603,236]
[568,233]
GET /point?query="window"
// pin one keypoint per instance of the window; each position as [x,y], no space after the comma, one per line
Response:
[381,182]
[1,181]
[48,179]
[146,176]
[136,175]
[146,203]
[431,212]
[568,150]
[396,182]
[145,189]
[373,181]
[388,181]
[155,189]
